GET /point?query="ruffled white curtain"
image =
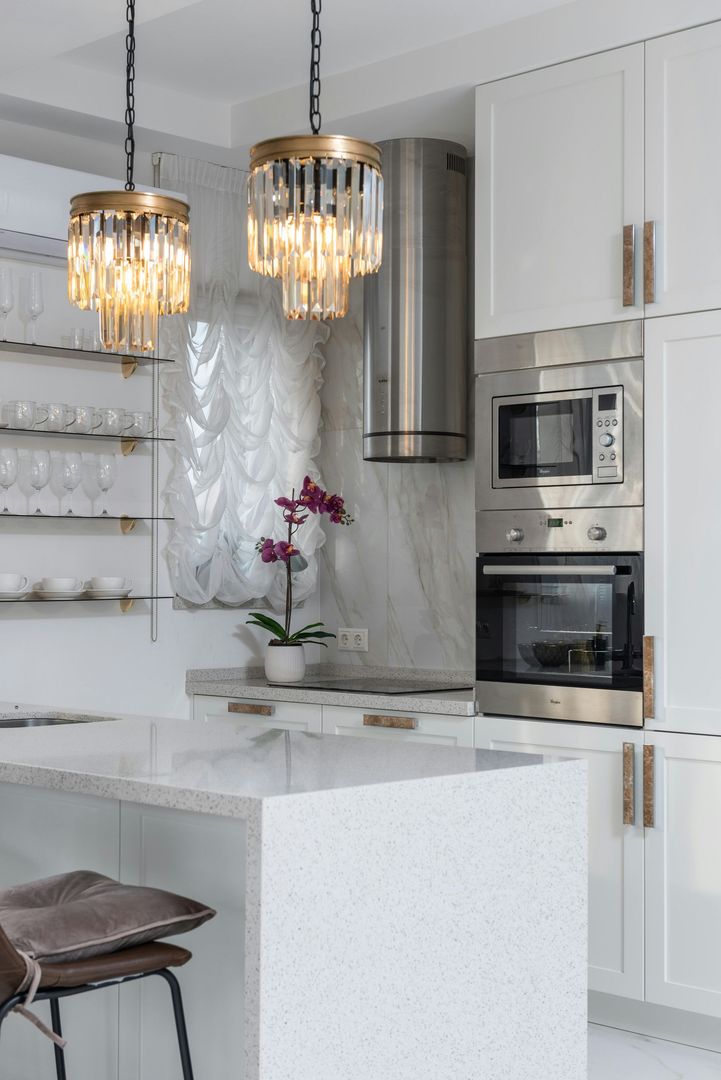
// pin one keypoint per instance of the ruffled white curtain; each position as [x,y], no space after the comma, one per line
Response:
[245,399]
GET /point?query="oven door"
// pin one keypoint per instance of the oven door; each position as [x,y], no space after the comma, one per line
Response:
[561,636]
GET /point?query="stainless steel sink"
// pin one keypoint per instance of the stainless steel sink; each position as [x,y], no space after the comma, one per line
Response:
[53,719]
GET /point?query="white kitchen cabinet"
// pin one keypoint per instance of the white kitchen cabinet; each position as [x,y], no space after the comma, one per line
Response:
[683,875]
[559,173]
[616,883]
[683,520]
[46,833]
[289,715]
[380,723]
[683,168]
[201,856]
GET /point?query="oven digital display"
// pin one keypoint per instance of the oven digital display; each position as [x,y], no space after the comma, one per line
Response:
[555,523]
[607,402]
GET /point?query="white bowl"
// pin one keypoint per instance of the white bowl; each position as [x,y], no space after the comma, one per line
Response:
[12,583]
[60,584]
[106,583]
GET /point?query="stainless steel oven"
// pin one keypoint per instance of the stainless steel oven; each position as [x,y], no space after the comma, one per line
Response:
[561,636]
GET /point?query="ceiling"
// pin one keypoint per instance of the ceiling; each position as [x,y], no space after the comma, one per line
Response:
[213,75]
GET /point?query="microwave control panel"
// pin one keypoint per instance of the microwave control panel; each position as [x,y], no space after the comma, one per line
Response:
[607,435]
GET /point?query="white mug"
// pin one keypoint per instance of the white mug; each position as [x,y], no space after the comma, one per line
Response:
[60,584]
[13,583]
[100,583]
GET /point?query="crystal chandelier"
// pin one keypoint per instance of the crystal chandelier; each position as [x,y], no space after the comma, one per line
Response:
[315,210]
[129,251]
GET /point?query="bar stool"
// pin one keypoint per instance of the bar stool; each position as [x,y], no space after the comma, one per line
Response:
[24,981]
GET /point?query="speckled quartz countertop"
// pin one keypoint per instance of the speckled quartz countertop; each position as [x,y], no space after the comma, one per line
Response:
[249,683]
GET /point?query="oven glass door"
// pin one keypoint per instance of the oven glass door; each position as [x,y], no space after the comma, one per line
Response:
[573,620]
[543,439]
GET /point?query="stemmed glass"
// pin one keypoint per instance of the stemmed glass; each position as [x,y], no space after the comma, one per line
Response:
[8,473]
[71,473]
[105,478]
[36,305]
[39,474]
[7,298]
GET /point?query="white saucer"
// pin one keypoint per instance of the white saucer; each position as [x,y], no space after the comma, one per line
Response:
[14,595]
[58,594]
[108,594]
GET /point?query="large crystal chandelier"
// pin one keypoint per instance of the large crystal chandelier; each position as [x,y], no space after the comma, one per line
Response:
[315,210]
[129,251]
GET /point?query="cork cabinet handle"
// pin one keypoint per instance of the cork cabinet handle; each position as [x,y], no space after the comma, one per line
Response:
[649,262]
[250,710]
[629,265]
[629,784]
[649,700]
[649,787]
[406,723]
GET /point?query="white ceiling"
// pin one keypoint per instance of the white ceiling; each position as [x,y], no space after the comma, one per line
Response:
[214,75]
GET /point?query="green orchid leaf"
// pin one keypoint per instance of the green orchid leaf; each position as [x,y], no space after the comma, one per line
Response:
[264,621]
[302,635]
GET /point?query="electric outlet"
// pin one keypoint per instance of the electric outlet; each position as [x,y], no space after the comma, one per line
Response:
[351,639]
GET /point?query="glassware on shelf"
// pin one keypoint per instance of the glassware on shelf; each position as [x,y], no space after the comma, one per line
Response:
[112,421]
[139,424]
[39,475]
[71,473]
[7,298]
[83,419]
[104,478]
[36,304]
[8,473]
[23,414]
[58,418]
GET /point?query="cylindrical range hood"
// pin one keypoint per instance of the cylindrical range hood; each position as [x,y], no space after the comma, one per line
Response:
[415,332]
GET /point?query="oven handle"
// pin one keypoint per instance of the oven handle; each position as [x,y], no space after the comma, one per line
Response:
[551,571]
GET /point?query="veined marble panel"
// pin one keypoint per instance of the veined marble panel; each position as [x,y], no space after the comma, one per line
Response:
[613,1054]
[342,394]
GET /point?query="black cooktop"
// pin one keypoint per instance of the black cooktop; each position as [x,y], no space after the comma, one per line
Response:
[375,686]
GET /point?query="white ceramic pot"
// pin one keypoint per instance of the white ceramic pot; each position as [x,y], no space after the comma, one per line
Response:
[284,663]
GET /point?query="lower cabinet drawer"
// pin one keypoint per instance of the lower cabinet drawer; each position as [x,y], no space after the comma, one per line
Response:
[393,724]
[291,715]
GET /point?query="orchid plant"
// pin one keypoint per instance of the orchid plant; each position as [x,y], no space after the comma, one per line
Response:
[311,500]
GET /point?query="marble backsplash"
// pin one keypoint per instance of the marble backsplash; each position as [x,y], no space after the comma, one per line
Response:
[405,568]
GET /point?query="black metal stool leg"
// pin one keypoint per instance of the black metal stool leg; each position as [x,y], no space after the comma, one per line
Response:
[59,1052]
[179,1023]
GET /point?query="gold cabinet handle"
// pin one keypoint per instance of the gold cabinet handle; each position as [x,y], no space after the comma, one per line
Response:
[629,784]
[649,697]
[649,262]
[649,786]
[629,265]
[406,723]
[250,710]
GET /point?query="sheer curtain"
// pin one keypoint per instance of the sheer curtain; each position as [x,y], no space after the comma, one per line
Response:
[244,396]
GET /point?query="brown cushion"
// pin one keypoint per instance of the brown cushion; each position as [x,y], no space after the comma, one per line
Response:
[82,914]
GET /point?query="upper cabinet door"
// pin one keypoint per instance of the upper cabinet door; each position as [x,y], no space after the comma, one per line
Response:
[683,168]
[559,173]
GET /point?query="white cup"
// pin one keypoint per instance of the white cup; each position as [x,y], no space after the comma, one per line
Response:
[13,583]
[60,584]
[100,583]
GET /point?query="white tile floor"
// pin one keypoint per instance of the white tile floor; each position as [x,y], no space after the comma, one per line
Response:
[619,1055]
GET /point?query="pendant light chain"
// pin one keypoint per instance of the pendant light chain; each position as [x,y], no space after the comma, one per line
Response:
[315,68]
[130,96]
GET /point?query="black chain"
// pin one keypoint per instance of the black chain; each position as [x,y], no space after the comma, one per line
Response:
[130,96]
[315,68]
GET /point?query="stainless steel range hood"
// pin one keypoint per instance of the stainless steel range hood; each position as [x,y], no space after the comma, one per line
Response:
[414,334]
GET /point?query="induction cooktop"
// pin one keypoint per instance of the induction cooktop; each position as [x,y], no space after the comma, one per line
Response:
[375,686]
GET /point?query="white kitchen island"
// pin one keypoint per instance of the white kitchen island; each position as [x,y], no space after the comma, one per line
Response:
[385,911]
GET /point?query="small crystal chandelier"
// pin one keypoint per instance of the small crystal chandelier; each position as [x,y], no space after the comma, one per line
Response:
[129,251]
[315,210]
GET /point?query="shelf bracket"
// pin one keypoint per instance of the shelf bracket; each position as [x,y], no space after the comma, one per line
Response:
[128,366]
[127,524]
[126,604]
[128,445]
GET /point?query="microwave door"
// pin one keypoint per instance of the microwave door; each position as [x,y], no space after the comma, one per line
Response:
[543,440]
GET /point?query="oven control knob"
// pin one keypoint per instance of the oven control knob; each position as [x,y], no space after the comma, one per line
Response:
[596,532]
[606,439]
[514,535]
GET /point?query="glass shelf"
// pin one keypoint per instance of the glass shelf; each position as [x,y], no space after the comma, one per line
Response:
[124,518]
[86,435]
[62,351]
[126,602]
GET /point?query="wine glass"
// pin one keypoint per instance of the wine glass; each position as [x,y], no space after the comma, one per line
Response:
[7,298]
[71,473]
[105,478]
[39,474]
[8,473]
[36,305]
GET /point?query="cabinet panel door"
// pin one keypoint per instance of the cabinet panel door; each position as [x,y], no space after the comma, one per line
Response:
[46,833]
[683,167]
[429,728]
[289,715]
[683,519]
[615,850]
[683,875]
[559,172]
[201,856]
